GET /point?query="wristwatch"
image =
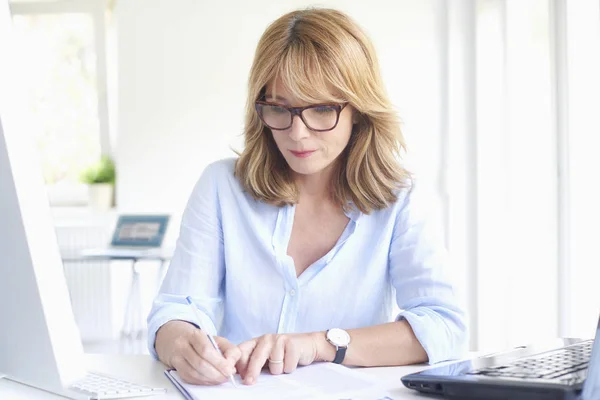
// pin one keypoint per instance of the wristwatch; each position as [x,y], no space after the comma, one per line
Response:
[340,339]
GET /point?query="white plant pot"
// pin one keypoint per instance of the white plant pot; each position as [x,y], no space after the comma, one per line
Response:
[101,196]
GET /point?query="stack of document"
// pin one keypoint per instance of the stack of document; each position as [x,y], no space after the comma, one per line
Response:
[318,381]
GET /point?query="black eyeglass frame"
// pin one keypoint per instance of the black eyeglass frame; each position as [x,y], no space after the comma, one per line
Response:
[298,111]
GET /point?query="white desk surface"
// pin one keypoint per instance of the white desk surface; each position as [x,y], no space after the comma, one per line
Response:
[145,370]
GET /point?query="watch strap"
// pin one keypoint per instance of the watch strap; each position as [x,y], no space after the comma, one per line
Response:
[340,353]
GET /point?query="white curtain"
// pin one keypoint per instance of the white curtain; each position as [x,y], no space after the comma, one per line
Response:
[521,86]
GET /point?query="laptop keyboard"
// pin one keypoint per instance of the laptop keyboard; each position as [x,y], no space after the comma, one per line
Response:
[550,365]
[104,387]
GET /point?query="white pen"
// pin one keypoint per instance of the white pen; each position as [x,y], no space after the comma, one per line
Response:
[210,338]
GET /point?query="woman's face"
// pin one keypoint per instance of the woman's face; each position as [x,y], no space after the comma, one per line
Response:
[308,152]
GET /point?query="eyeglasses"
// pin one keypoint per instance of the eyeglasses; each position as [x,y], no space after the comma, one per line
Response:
[317,117]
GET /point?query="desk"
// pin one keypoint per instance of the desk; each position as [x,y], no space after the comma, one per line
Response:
[143,369]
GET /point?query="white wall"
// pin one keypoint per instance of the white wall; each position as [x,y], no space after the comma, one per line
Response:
[183,67]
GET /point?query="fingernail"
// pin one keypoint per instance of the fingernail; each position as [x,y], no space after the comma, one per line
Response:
[250,381]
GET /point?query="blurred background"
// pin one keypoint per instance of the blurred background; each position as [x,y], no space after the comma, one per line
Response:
[499,102]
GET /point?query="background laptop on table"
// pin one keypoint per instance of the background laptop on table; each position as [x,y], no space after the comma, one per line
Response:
[135,236]
[565,369]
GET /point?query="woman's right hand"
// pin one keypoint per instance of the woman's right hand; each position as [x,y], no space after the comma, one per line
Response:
[188,350]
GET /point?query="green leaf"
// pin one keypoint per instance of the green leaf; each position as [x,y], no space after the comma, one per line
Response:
[102,171]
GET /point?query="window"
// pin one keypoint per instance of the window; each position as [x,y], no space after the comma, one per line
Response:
[61,90]
[62,49]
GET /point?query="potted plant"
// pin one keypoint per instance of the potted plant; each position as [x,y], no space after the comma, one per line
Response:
[100,178]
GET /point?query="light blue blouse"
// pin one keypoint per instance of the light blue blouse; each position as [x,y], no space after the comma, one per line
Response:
[231,258]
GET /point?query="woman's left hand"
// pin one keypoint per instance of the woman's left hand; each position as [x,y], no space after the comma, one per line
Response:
[282,353]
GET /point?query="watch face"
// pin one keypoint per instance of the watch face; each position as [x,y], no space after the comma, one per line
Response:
[339,337]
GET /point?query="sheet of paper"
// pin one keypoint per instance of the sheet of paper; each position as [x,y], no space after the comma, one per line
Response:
[318,381]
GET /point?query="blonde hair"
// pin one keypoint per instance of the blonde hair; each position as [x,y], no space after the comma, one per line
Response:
[314,51]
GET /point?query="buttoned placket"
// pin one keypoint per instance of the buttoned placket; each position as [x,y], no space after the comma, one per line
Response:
[292,284]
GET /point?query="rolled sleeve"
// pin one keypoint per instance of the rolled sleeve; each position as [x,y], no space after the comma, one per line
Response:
[197,268]
[170,311]
[420,276]
[441,330]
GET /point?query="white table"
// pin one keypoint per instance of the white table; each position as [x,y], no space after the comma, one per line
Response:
[143,369]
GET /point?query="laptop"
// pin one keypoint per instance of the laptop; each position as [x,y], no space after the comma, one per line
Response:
[134,236]
[562,369]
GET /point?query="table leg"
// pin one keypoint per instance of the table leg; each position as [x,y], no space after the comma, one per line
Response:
[132,326]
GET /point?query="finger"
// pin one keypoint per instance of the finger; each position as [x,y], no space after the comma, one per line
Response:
[292,356]
[277,354]
[202,366]
[189,374]
[205,349]
[231,352]
[185,370]
[246,349]
[258,358]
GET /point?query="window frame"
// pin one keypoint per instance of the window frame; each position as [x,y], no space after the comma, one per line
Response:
[97,10]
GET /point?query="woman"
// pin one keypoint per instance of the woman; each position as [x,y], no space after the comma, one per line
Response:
[297,248]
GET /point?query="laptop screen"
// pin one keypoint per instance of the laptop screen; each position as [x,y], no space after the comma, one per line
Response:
[140,230]
[591,388]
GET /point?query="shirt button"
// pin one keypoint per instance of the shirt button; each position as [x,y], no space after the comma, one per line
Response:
[292,292]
